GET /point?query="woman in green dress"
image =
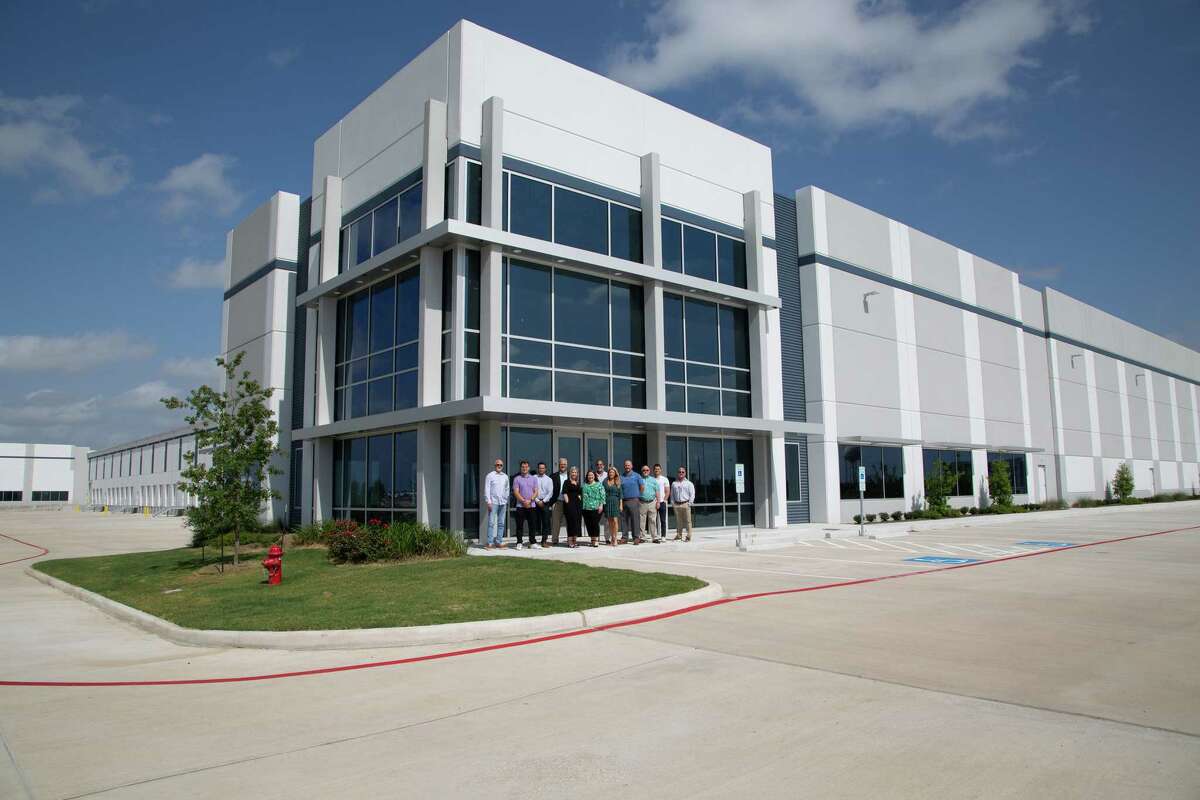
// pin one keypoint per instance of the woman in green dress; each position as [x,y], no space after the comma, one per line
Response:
[593,505]
[612,504]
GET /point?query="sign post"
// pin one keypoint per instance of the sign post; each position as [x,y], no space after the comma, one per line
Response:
[739,479]
[862,488]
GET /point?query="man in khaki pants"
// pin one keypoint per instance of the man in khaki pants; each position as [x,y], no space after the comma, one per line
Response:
[649,506]
[683,494]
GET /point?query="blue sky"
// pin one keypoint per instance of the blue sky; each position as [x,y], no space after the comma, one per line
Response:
[1055,137]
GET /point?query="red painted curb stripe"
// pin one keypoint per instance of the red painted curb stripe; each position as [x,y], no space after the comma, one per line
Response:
[43,550]
[580,632]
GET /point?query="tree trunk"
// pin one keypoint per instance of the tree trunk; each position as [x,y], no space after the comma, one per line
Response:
[222,561]
[237,541]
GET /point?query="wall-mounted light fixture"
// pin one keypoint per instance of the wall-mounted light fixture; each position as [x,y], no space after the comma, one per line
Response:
[1073,357]
[866,307]
[1138,375]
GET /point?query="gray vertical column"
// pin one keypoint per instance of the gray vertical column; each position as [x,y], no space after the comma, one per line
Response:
[331,230]
[491,259]
[458,305]
[490,448]
[656,393]
[322,485]
[458,446]
[429,473]
[307,475]
[433,169]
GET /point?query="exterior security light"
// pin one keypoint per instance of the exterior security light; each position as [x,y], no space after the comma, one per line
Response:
[1073,357]
[866,297]
[1138,375]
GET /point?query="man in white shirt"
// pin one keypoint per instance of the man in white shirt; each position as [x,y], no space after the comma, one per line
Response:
[495,493]
[683,494]
[664,494]
[545,499]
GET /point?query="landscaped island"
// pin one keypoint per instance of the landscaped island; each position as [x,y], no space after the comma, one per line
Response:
[319,595]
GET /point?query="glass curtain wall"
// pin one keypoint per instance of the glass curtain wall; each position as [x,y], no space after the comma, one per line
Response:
[572,337]
[375,477]
[707,357]
[377,348]
[1016,469]
[542,210]
[885,471]
[703,254]
[710,465]
[384,226]
[958,462]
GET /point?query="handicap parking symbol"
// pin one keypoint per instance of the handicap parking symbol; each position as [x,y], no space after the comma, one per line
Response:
[942,560]
[1047,544]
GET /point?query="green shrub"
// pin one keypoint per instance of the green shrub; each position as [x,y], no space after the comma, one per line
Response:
[1055,504]
[1122,483]
[939,486]
[897,516]
[353,543]
[311,533]
[870,517]
[858,519]
[1000,484]
[1087,502]
[964,510]
[973,511]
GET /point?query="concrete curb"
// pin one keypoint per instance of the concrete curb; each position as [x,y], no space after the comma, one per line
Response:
[364,638]
[982,520]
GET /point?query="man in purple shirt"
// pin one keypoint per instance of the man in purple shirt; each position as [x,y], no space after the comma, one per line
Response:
[525,492]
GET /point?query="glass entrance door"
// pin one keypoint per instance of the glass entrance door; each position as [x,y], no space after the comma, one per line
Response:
[570,447]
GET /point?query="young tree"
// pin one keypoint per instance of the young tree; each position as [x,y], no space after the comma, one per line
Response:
[238,427]
[1000,483]
[939,485]
[1122,483]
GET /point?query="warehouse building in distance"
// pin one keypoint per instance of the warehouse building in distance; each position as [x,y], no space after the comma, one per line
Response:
[505,255]
[42,475]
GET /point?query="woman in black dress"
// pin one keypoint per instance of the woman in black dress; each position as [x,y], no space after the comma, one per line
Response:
[572,498]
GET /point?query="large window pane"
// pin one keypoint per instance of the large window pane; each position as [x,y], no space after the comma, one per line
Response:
[628,394]
[529,207]
[472,301]
[580,220]
[735,337]
[872,459]
[791,459]
[699,253]
[582,359]
[626,237]
[410,212]
[379,471]
[570,387]
[633,366]
[704,468]
[630,446]
[966,474]
[673,325]
[703,375]
[731,261]
[735,404]
[356,471]
[849,460]
[360,238]
[406,390]
[357,324]
[528,444]
[379,396]
[404,492]
[580,309]
[408,304]
[523,351]
[893,472]
[672,245]
[529,299]
[676,456]
[530,384]
[676,397]
[703,401]
[628,325]
[474,192]
[358,401]
[385,226]
[383,316]
[701,322]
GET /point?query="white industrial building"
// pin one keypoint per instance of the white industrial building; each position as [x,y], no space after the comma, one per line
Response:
[42,475]
[504,254]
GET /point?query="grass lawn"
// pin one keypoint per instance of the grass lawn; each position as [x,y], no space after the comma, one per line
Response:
[318,595]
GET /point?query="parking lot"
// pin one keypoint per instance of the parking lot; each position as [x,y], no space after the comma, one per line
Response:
[1022,666]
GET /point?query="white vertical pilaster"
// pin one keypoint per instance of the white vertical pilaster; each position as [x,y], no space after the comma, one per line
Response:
[1123,397]
[458,191]
[1089,375]
[492,157]
[974,364]
[1195,425]
[326,355]
[458,310]
[1023,372]
[331,229]
[490,448]
[1148,378]
[824,482]
[491,285]
[429,473]
[322,484]
[458,446]
[433,168]
[429,372]
[1175,419]
[651,210]
[906,363]
[652,314]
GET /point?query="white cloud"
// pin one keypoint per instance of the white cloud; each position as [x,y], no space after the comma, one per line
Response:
[145,396]
[40,135]
[195,370]
[1065,82]
[283,56]
[69,353]
[855,64]
[202,184]
[193,273]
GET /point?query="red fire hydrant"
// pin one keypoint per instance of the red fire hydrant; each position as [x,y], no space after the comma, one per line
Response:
[273,563]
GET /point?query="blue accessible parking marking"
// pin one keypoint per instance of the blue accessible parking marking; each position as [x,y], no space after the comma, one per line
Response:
[942,560]
[1047,544]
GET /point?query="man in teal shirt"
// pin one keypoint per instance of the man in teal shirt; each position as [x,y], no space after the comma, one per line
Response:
[648,507]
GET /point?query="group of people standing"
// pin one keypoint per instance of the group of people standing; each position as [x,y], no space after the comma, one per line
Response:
[632,503]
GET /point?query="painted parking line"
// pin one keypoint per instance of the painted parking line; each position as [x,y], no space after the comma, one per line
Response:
[904,548]
[826,559]
[943,560]
[860,543]
[1047,545]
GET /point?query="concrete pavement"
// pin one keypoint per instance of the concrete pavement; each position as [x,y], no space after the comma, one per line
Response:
[1061,675]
